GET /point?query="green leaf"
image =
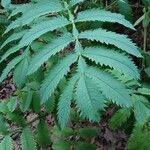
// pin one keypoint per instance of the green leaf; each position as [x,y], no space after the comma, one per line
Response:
[61,145]
[88,97]
[62,133]
[144,91]
[114,59]
[50,104]
[6,143]
[14,36]
[3,107]
[146,2]
[38,76]
[87,132]
[5,3]
[125,9]
[20,72]
[127,80]
[3,126]
[108,37]
[84,146]
[49,50]
[10,66]
[26,100]
[141,109]
[34,12]
[16,117]
[147,71]
[21,9]
[27,140]
[120,117]
[66,132]
[65,102]
[42,28]
[55,75]
[110,87]
[12,103]
[62,84]
[36,102]
[102,15]
[9,52]
[139,140]
[36,46]
[74,2]
[33,85]
[43,137]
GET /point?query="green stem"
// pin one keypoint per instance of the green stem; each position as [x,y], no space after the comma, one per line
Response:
[145,38]
[75,32]
[144,46]
[78,46]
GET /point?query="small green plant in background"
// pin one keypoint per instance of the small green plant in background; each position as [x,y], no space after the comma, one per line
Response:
[62,64]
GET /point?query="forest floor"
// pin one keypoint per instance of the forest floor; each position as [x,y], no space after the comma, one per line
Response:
[107,139]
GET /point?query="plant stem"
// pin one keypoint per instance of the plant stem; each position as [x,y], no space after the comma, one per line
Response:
[145,37]
[144,46]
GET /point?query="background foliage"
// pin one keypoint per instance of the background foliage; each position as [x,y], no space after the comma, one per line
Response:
[69,60]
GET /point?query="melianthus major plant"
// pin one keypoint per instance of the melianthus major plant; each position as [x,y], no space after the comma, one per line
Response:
[61,62]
